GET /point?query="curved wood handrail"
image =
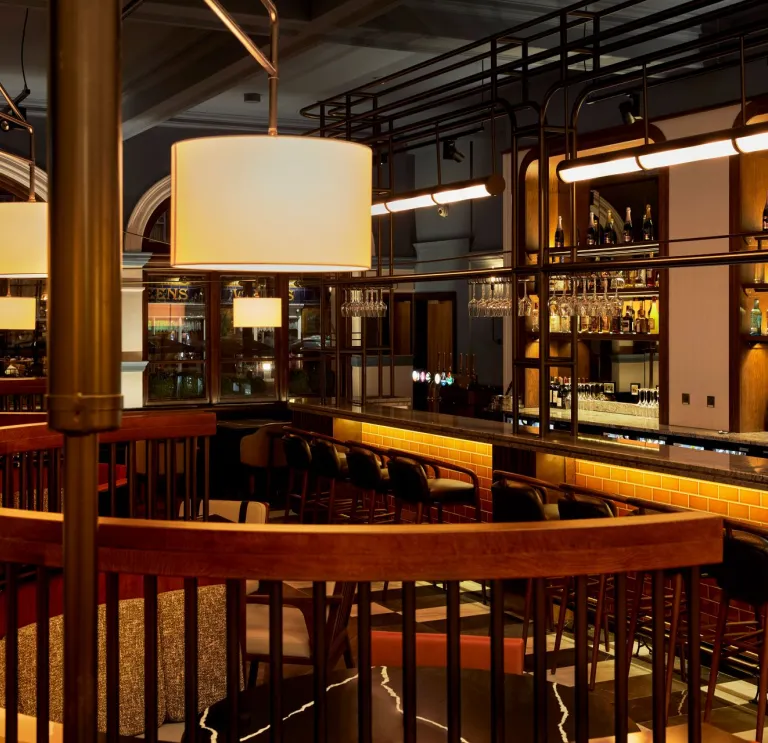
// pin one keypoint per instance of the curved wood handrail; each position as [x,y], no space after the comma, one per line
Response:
[142,426]
[372,553]
[23,386]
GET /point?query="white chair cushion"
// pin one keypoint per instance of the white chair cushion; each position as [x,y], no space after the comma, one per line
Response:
[295,635]
[28,728]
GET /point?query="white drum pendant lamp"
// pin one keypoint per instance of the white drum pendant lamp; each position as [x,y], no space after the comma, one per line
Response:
[257,312]
[24,227]
[18,313]
[266,202]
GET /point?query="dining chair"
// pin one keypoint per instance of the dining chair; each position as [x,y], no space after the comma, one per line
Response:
[298,622]
[263,458]
[368,473]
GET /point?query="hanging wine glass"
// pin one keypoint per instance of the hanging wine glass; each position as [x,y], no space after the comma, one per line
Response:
[345,304]
[472,304]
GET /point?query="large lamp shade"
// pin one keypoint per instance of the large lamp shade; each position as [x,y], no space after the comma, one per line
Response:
[257,312]
[18,313]
[24,228]
[271,203]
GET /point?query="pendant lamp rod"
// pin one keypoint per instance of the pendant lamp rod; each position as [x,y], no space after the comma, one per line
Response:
[20,121]
[269,65]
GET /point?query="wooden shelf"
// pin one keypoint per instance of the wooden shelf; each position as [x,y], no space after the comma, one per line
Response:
[762,287]
[644,337]
[755,338]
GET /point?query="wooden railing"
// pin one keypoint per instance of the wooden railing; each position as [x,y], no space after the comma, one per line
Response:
[230,553]
[23,394]
[133,471]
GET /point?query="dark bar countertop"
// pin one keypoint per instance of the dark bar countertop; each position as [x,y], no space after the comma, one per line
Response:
[730,469]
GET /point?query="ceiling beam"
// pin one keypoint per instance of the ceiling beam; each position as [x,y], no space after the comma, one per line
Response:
[218,63]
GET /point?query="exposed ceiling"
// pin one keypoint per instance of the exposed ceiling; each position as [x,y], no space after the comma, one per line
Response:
[181,66]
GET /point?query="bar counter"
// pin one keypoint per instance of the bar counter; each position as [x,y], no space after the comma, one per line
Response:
[726,484]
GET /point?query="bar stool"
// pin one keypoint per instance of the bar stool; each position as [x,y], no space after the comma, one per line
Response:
[298,458]
[328,464]
[743,577]
[519,499]
[410,485]
[370,476]
[572,508]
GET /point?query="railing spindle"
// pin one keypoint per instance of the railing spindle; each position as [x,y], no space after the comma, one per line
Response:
[621,662]
[454,663]
[57,476]
[43,646]
[320,661]
[11,653]
[276,661]
[657,667]
[540,689]
[409,661]
[187,500]
[23,482]
[581,671]
[168,480]
[152,467]
[150,658]
[113,656]
[693,595]
[190,659]
[193,461]
[206,476]
[498,717]
[39,500]
[131,479]
[234,590]
[364,716]
[174,466]
[113,479]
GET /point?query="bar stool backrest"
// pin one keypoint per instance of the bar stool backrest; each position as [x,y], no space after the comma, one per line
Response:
[408,480]
[364,468]
[743,574]
[297,452]
[583,507]
[516,502]
[325,459]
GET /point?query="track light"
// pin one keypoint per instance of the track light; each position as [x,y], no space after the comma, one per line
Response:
[493,185]
[450,152]
[665,154]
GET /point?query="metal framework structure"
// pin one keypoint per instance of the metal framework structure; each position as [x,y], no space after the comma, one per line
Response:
[573,53]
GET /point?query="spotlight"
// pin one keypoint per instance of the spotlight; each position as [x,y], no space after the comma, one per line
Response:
[4,125]
[630,110]
[450,152]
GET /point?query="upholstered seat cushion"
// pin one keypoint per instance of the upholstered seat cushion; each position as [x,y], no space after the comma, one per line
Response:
[446,490]
[295,634]
[551,512]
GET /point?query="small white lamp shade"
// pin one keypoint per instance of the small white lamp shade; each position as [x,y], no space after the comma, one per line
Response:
[257,312]
[18,313]
[271,203]
[24,251]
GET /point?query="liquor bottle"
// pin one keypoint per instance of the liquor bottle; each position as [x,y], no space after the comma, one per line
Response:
[765,215]
[611,238]
[628,234]
[647,224]
[551,392]
[653,316]
[591,231]
[651,278]
[616,324]
[641,277]
[535,317]
[755,319]
[559,234]
[554,318]
[641,322]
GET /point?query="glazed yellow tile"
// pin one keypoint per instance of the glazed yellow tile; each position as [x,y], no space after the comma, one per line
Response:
[689,486]
[635,477]
[642,491]
[652,480]
[670,483]
[602,471]
[585,468]
[709,489]
[750,497]
[618,474]
[729,493]
[699,502]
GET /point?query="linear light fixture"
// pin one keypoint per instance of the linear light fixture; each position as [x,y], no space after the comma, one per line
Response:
[710,146]
[450,193]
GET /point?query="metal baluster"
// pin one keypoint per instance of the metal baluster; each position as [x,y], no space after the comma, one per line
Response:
[206,476]
[43,645]
[659,672]
[169,473]
[174,483]
[581,679]
[113,480]
[131,479]
[409,662]
[364,717]
[190,659]
[621,664]
[498,717]
[113,656]
[234,589]
[150,658]
[693,595]
[320,661]
[276,661]
[454,663]
[187,506]
[539,661]
[11,653]
[39,501]
[193,461]
[150,462]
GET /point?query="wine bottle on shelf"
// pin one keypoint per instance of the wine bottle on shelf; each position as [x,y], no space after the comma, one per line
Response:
[765,215]
[755,319]
[559,234]
[535,317]
[651,278]
[591,231]
[653,316]
[628,234]
[641,322]
[611,238]
[648,225]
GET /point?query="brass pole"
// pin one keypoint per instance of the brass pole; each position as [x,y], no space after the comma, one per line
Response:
[85,260]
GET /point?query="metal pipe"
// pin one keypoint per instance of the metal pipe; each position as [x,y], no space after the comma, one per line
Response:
[85,266]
